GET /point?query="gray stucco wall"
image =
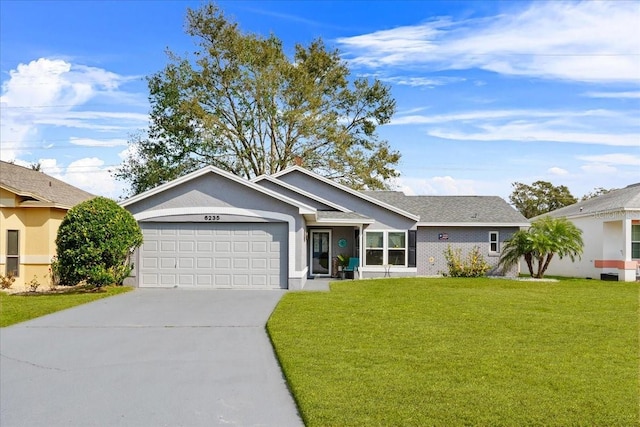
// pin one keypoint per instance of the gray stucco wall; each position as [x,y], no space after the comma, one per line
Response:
[294,195]
[430,249]
[384,218]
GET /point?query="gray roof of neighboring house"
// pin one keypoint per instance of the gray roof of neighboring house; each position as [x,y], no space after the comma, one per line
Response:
[627,198]
[37,186]
[453,209]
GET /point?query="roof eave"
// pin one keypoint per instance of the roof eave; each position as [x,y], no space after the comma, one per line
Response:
[473,224]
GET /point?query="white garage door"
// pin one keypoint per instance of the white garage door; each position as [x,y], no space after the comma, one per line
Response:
[214,255]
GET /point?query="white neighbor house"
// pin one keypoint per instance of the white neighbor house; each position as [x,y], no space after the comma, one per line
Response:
[610,224]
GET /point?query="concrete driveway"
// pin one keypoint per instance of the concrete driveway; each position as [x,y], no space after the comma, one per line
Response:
[151,357]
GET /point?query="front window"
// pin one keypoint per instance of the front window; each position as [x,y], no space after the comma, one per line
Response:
[397,250]
[494,243]
[13,253]
[374,248]
[635,241]
[386,247]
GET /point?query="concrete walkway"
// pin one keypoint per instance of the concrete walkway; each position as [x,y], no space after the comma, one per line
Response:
[151,357]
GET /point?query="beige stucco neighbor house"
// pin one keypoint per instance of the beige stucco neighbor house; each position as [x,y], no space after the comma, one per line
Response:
[610,224]
[32,205]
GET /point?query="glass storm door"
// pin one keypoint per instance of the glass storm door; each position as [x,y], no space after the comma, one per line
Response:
[320,252]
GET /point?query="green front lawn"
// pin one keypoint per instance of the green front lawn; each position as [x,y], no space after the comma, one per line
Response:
[19,308]
[462,352]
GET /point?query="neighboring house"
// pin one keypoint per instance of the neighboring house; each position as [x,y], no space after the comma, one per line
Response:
[610,226]
[214,229]
[32,205]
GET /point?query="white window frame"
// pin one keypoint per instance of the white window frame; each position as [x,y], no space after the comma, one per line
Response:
[385,248]
[496,242]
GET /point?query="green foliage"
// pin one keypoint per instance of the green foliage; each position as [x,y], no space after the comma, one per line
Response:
[94,243]
[473,266]
[598,191]
[546,237]
[461,352]
[343,260]
[539,198]
[20,308]
[241,104]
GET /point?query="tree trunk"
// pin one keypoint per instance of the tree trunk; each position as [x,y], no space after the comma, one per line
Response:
[546,264]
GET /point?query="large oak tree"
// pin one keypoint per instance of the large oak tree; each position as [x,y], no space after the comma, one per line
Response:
[539,198]
[241,104]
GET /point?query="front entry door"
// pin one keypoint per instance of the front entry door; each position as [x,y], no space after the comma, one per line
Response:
[320,253]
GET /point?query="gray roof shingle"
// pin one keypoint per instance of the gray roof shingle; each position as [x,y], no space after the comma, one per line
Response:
[453,209]
[627,198]
[39,186]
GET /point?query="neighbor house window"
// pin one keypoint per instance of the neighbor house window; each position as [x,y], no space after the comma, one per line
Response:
[635,241]
[374,248]
[386,247]
[13,253]
[494,243]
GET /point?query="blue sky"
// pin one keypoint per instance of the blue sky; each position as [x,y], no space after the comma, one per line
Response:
[488,93]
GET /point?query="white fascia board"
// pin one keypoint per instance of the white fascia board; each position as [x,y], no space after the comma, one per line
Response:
[473,224]
[340,222]
[347,190]
[301,192]
[304,209]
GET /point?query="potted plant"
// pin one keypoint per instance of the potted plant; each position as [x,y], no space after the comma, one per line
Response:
[343,261]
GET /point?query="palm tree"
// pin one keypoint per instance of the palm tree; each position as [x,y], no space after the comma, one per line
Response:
[546,237]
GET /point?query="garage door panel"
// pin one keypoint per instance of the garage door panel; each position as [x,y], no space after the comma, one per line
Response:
[168,246]
[186,247]
[186,279]
[259,263]
[220,255]
[185,262]
[222,247]
[204,263]
[167,263]
[240,247]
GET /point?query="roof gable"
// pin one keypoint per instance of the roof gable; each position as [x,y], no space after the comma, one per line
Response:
[343,188]
[39,189]
[303,209]
[292,188]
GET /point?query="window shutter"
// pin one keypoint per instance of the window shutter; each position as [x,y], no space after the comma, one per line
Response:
[411,261]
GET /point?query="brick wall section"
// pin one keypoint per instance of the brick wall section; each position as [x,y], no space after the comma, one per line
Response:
[430,250]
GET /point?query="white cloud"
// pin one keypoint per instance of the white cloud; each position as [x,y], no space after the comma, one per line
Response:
[615,95]
[598,169]
[89,174]
[613,159]
[590,41]
[583,127]
[90,142]
[558,171]
[49,92]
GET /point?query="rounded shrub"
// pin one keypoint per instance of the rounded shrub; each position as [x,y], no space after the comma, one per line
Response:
[94,243]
